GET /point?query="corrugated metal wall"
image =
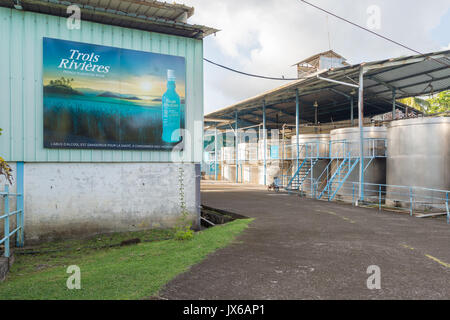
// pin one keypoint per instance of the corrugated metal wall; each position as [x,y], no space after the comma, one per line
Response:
[21,92]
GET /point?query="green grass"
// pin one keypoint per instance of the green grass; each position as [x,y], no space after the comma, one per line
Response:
[131,272]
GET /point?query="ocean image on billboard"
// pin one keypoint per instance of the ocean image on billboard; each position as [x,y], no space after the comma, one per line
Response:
[98,97]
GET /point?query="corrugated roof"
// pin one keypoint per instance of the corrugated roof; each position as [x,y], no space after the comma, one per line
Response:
[148,15]
[411,76]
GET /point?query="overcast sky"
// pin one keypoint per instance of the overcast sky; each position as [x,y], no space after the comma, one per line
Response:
[268,36]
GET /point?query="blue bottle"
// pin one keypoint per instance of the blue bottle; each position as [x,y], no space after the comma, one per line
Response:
[171,111]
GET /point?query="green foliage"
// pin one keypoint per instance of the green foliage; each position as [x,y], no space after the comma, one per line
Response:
[440,103]
[437,104]
[5,169]
[62,82]
[183,229]
[184,233]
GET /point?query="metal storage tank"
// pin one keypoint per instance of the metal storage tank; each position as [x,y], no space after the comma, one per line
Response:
[418,156]
[319,149]
[229,172]
[375,173]
[272,171]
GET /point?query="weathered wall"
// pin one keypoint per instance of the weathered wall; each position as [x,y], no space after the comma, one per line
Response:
[69,200]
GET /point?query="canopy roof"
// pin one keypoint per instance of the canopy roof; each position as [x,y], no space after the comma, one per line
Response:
[409,76]
[145,15]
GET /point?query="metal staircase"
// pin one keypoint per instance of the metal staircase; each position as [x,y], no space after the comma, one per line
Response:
[343,171]
[301,174]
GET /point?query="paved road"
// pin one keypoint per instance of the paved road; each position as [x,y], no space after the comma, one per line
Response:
[307,249]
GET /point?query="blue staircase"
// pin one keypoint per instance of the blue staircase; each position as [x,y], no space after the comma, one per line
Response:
[343,171]
[301,174]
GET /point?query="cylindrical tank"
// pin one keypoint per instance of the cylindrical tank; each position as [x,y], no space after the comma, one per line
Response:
[228,155]
[272,171]
[250,174]
[345,142]
[316,146]
[418,156]
[320,148]
[229,172]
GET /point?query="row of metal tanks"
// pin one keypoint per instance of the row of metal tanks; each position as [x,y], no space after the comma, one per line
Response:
[407,156]
[409,153]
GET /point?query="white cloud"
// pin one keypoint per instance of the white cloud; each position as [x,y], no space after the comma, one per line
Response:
[268,36]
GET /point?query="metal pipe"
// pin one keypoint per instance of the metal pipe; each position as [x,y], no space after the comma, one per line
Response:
[393,104]
[297,122]
[361,133]
[338,82]
[236,151]
[265,142]
[20,203]
[351,111]
[215,153]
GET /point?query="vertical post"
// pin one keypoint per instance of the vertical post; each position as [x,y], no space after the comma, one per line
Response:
[351,111]
[198,200]
[297,126]
[20,204]
[361,133]
[282,161]
[215,153]
[446,205]
[6,222]
[411,201]
[393,104]
[379,197]
[236,151]
[265,142]
[353,193]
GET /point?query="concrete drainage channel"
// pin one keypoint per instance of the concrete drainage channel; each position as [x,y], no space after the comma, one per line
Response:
[211,217]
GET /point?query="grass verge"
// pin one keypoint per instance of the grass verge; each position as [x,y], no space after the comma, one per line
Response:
[131,272]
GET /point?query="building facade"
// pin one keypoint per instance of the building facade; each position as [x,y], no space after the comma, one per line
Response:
[71,192]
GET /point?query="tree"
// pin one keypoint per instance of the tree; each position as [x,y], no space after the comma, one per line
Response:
[440,103]
[435,104]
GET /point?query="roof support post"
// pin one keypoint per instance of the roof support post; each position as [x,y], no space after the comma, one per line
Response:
[361,133]
[265,142]
[236,151]
[351,111]
[393,104]
[297,125]
[216,144]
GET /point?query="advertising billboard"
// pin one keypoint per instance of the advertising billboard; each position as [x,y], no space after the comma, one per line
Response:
[99,97]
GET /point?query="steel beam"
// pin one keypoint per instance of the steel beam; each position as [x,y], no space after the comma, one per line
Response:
[361,133]
[265,142]
[236,149]
[393,104]
[215,153]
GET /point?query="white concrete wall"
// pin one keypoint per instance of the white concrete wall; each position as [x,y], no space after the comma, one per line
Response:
[70,200]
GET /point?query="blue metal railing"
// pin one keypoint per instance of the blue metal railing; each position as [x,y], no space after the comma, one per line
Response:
[415,200]
[6,217]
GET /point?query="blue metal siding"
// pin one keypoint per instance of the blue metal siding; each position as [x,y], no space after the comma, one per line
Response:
[21,116]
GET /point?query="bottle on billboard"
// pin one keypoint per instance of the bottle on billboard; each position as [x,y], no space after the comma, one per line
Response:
[171,111]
